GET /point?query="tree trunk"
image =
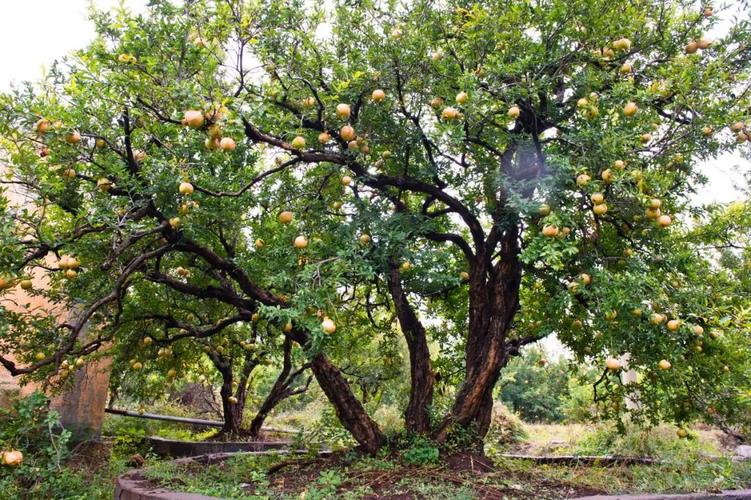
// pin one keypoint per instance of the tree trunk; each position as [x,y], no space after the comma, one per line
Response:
[257,423]
[280,391]
[417,414]
[241,394]
[351,413]
[231,412]
[493,304]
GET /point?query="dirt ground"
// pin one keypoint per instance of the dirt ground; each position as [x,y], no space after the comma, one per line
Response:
[460,473]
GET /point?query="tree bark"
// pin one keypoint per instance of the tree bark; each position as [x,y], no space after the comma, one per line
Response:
[281,390]
[348,408]
[417,414]
[493,303]
[351,413]
[241,393]
[232,413]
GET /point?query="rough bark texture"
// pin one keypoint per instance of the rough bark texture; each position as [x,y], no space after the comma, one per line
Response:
[348,408]
[493,301]
[241,393]
[494,298]
[351,413]
[231,412]
[417,416]
[281,390]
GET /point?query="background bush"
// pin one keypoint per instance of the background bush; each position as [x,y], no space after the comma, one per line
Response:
[30,427]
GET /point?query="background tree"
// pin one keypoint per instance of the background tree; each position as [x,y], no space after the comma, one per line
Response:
[723,237]
[168,337]
[516,182]
[535,388]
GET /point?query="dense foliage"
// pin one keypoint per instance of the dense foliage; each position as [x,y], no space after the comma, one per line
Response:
[31,427]
[220,176]
[535,388]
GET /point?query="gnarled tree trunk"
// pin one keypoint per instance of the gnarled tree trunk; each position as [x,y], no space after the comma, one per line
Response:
[351,413]
[232,412]
[417,415]
[281,390]
[493,302]
[348,408]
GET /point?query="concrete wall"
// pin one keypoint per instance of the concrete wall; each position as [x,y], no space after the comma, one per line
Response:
[82,405]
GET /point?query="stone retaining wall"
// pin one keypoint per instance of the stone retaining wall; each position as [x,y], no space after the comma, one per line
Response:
[173,448]
[133,486]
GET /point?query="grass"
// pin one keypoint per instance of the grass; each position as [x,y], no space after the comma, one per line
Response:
[699,475]
[437,490]
[350,477]
[224,479]
[602,439]
[75,481]
[540,438]
[119,426]
[700,463]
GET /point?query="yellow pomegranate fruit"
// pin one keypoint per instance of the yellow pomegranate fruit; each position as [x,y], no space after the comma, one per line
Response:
[186,188]
[193,118]
[285,217]
[12,458]
[343,111]
[328,326]
[613,364]
[347,133]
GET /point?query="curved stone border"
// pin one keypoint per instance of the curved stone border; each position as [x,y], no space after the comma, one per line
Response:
[133,485]
[174,448]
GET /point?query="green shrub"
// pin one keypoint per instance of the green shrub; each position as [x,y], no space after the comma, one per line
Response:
[421,452]
[579,405]
[33,429]
[329,430]
[506,429]
[390,419]
[326,485]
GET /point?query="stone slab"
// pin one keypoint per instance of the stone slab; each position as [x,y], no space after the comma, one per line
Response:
[133,486]
[173,448]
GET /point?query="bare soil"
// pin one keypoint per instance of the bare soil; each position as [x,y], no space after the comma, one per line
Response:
[472,472]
